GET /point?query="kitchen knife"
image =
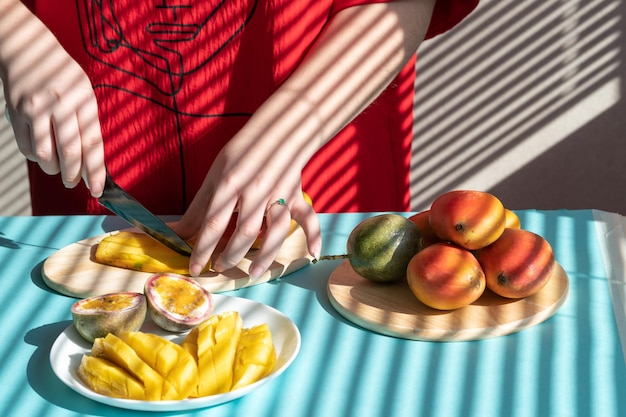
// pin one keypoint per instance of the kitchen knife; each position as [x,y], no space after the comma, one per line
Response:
[124,205]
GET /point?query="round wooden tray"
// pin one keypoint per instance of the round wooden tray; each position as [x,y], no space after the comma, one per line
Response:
[392,309]
[73,271]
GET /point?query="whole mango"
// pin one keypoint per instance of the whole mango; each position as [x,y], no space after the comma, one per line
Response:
[518,264]
[380,247]
[445,277]
[471,219]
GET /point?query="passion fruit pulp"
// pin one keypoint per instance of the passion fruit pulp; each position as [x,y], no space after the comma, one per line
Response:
[177,303]
[115,313]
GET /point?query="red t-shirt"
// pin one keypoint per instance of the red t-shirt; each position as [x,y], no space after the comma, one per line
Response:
[175,81]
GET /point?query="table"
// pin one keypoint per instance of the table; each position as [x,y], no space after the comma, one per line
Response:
[571,365]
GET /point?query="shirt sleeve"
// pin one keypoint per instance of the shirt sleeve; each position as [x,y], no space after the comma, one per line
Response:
[447,13]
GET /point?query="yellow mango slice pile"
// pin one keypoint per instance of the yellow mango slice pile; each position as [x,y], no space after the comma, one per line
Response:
[216,357]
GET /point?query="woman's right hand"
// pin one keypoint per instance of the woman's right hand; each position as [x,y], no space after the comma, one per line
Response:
[50,101]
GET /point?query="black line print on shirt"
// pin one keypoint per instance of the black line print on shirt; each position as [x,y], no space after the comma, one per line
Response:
[173,27]
[183,36]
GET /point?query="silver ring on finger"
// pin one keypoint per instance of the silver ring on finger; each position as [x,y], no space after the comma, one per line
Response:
[279,202]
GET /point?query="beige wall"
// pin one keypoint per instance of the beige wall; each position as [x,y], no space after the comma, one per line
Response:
[526,99]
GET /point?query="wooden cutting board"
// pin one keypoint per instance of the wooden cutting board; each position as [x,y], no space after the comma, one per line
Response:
[392,309]
[72,270]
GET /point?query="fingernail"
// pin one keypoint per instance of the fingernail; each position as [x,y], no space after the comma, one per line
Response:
[256,272]
[218,267]
[195,269]
[96,189]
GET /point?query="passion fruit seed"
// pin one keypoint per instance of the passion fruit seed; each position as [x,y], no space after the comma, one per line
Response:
[177,303]
[115,313]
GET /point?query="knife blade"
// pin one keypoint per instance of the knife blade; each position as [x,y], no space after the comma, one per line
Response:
[116,199]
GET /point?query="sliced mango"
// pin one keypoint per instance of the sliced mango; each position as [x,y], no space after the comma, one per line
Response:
[216,340]
[255,357]
[177,367]
[115,350]
[190,343]
[140,252]
[106,378]
[216,357]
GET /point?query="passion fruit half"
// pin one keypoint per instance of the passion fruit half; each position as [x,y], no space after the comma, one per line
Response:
[177,303]
[109,313]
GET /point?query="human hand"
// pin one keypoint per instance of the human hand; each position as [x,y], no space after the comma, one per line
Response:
[342,74]
[52,107]
[259,190]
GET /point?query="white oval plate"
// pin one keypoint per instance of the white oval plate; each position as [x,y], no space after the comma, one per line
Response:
[69,348]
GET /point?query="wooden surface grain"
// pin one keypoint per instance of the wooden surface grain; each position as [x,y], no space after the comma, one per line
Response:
[392,309]
[72,270]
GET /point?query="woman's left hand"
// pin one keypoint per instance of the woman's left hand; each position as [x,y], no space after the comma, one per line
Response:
[359,53]
[260,186]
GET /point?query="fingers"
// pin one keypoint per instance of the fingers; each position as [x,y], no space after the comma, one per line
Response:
[210,231]
[38,114]
[21,130]
[66,137]
[60,139]
[306,217]
[278,218]
[93,170]
[249,222]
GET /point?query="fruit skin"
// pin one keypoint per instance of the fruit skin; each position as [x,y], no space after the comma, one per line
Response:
[380,247]
[177,303]
[115,313]
[518,264]
[471,219]
[422,221]
[511,220]
[445,277]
